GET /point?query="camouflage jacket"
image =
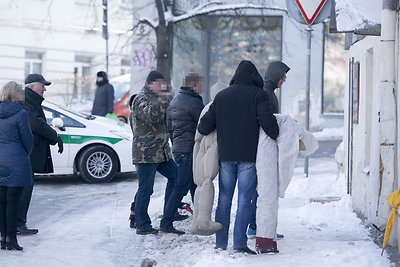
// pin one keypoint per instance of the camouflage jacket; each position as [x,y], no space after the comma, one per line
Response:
[150,136]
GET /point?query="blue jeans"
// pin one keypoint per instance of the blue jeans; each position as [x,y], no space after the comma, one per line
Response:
[252,223]
[184,183]
[245,175]
[146,174]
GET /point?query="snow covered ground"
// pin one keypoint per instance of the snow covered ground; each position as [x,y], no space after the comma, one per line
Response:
[87,225]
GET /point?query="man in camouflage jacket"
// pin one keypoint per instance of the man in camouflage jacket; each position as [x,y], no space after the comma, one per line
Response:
[151,152]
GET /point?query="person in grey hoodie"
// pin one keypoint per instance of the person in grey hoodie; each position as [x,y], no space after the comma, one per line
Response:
[274,77]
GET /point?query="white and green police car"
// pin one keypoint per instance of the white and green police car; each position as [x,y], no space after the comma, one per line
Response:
[95,147]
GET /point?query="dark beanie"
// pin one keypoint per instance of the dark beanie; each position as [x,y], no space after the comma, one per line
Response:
[102,74]
[154,75]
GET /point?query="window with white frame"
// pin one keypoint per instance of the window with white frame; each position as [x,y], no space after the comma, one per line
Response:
[33,62]
[125,65]
[83,80]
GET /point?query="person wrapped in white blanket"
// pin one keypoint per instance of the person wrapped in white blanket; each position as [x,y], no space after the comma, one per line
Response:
[275,166]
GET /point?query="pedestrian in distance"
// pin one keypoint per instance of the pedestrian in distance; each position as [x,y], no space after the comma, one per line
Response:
[237,113]
[275,76]
[183,116]
[43,136]
[16,143]
[104,96]
[151,152]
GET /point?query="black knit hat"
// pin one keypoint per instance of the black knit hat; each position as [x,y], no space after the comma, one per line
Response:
[154,75]
[102,74]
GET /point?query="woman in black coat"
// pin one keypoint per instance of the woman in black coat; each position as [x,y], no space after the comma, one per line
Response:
[16,143]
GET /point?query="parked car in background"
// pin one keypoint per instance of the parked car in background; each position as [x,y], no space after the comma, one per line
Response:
[95,147]
[121,86]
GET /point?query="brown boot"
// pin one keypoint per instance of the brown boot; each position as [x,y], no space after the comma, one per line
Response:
[266,245]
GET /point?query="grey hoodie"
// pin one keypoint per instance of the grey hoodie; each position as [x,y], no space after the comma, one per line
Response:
[274,73]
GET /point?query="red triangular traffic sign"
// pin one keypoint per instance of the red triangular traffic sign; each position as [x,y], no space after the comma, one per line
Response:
[310,9]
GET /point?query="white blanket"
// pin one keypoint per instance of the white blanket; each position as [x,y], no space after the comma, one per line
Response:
[275,166]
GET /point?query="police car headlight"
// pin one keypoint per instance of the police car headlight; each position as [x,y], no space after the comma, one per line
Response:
[124,135]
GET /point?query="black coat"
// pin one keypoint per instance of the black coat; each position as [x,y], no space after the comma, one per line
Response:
[183,116]
[16,143]
[237,113]
[274,73]
[43,134]
[103,99]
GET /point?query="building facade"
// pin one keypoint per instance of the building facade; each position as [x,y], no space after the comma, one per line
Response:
[63,41]
[211,39]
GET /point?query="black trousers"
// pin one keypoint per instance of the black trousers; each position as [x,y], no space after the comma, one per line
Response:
[9,198]
[23,204]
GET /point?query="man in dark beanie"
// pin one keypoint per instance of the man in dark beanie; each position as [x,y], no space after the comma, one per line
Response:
[151,152]
[104,96]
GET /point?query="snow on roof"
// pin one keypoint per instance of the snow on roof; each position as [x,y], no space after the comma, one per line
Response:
[357,14]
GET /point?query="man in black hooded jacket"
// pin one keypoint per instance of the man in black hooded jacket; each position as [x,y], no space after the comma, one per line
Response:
[237,113]
[104,96]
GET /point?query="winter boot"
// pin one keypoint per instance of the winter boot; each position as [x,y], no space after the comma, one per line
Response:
[3,242]
[12,244]
[132,223]
[266,245]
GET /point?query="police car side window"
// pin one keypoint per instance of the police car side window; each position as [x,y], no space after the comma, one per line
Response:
[68,122]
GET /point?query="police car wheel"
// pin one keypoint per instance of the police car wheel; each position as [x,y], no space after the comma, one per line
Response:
[98,164]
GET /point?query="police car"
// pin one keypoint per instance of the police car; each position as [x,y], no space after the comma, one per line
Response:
[94,146]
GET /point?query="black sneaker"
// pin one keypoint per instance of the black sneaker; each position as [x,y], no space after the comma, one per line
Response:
[180,217]
[23,230]
[147,231]
[245,250]
[171,230]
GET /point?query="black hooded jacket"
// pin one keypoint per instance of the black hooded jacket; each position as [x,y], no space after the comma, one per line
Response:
[103,99]
[183,116]
[237,113]
[274,73]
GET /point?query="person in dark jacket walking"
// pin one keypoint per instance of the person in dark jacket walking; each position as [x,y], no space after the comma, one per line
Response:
[16,143]
[237,113]
[151,152]
[104,96]
[43,135]
[183,116]
[275,76]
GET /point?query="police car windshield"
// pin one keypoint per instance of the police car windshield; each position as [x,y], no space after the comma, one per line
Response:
[82,115]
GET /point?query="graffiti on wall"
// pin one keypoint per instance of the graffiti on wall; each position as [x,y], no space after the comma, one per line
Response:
[144,58]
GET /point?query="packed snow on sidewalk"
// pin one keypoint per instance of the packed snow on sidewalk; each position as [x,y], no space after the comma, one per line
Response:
[87,225]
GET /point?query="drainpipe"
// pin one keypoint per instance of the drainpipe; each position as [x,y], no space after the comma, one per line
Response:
[388,111]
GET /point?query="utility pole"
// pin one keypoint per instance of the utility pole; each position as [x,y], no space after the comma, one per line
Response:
[105,30]
[307,119]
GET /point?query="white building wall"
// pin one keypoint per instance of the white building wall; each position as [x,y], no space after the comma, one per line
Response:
[369,190]
[62,30]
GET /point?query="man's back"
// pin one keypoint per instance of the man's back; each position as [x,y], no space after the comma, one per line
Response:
[237,113]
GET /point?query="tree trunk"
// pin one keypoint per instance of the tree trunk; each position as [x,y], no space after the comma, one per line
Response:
[164,49]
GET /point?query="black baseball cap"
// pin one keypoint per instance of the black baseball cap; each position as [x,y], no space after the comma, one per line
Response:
[34,77]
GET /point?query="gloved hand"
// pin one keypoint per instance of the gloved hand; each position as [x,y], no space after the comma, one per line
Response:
[60,144]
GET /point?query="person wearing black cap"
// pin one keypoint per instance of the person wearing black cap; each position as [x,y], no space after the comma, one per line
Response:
[104,96]
[43,135]
[151,152]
